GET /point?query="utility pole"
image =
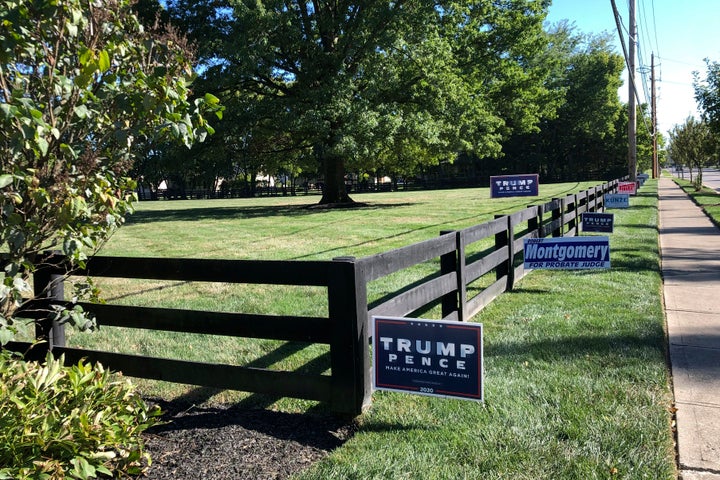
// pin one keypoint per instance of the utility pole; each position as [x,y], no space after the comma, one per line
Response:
[653,106]
[632,112]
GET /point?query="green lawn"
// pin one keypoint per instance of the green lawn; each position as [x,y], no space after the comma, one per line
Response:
[576,383]
[706,198]
[282,228]
[576,379]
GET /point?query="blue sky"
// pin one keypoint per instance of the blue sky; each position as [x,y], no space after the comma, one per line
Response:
[680,34]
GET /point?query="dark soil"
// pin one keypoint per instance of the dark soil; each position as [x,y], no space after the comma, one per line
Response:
[230,442]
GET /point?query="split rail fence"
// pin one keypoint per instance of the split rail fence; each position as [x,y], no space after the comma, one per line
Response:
[345,329]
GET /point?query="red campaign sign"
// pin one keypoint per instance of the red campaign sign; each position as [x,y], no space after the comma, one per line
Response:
[627,187]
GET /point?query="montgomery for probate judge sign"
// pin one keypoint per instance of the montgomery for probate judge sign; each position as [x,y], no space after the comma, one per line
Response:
[569,253]
[428,357]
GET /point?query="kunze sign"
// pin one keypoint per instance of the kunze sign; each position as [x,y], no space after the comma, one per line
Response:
[617,200]
[428,357]
[569,253]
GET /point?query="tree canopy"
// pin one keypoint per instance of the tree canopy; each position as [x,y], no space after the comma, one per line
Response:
[584,136]
[692,145]
[84,88]
[707,95]
[367,84]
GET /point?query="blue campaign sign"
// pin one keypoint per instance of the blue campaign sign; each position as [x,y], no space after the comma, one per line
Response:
[428,357]
[514,185]
[597,222]
[617,200]
[569,253]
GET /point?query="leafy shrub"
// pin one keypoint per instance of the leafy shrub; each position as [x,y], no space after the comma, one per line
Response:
[69,422]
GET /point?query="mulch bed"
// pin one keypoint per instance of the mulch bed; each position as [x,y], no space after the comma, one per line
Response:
[230,442]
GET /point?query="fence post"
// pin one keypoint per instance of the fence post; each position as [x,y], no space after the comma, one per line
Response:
[573,208]
[49,286]
[507,268]
[535,223]
[557,213]
[349,353]
[454,261]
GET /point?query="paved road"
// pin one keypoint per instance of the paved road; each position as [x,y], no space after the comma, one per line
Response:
[711,177]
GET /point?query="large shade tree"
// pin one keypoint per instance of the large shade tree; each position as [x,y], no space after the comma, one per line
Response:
[84,87]
[360,82]
[580,140]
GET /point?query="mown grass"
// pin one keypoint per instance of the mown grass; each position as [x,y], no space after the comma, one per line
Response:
[706,198]
[283,228]
[575,376]
[576,379]
[277,228]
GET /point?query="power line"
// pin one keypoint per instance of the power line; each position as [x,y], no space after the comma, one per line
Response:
[657,43]
[683,62]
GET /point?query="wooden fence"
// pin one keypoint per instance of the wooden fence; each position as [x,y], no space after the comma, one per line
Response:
[345,329]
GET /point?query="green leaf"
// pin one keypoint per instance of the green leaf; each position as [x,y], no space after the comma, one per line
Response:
[71,29]
[211,99]
[68,150]
[8,111]
[83,80]
[82,468]
[6,179]
[6,335]
[43,146]
[85,56]
[104,61]
[82,111]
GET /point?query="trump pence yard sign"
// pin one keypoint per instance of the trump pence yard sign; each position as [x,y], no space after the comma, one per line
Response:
[598,222]
[428,357]
[568,253]
[526,185]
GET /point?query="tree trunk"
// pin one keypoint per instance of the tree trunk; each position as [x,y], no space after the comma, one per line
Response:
[334,190]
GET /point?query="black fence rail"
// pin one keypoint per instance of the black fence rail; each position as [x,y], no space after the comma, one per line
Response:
[464,256]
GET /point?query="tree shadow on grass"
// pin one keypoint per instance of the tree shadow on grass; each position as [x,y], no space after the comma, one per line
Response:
[242,212]
[621,346]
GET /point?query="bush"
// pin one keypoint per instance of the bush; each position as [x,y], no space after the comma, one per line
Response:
[69,422]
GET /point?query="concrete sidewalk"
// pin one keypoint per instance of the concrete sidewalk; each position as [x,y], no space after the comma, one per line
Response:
[690,250]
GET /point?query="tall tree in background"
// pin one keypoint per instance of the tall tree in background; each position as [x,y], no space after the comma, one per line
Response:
[693,145]
[579,140]
[359,81]
[707,95]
